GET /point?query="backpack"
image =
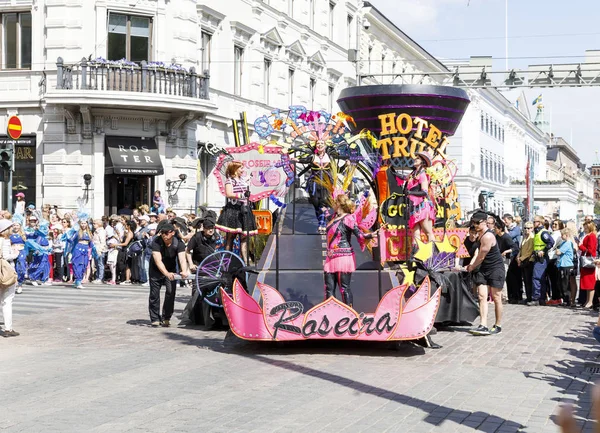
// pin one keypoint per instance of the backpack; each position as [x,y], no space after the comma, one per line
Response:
[135,248]
[8,275]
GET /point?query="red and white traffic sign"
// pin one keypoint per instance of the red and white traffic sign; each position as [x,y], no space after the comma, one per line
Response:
[14,127]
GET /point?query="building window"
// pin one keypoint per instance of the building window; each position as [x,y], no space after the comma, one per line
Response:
[369,59]
[311,13]
[382,64]
[291,73]
[350,26]
[238,55]
[16,38]
[206,42]
[482,122]
[312,91]
[267,79]
[481,164]
[487,125]
[496,171]
[129,37]
[330,96]
[331,17]
[291,8]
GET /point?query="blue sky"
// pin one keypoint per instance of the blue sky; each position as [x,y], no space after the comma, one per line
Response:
[539,32]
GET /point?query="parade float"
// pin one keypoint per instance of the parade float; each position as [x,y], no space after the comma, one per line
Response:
[399,280]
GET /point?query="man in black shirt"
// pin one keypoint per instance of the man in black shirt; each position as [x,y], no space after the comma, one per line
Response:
[203,244]
[166,249]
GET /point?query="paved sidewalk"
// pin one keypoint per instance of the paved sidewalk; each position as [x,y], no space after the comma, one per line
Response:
[99,367]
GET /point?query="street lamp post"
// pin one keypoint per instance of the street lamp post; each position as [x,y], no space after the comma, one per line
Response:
[174,185]
[518,205]
[87,180]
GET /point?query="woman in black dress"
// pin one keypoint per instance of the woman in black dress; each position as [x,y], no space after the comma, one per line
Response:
[236,217]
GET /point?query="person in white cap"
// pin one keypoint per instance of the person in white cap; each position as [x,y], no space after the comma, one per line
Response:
[7,294]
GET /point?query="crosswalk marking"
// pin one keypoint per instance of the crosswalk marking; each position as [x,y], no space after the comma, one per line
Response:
[38,299]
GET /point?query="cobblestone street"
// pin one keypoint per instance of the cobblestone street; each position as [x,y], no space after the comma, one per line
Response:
[97,366]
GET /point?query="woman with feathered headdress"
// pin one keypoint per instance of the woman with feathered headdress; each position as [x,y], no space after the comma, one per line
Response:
[37,243]
[319,164]
[348,219]
[81,238]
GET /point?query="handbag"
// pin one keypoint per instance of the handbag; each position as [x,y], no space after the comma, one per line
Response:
[587,262]
[8,275]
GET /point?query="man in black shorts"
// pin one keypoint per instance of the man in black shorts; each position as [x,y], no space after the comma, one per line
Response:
[166,249]
[491,274]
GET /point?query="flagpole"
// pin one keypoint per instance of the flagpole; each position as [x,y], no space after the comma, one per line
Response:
[506,33]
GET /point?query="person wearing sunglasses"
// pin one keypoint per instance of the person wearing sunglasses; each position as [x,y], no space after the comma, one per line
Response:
[553,269]
[491,272]
[542,243]
[524,261]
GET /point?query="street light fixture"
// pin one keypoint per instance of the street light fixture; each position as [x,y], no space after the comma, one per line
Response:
[87,180]
[174,185]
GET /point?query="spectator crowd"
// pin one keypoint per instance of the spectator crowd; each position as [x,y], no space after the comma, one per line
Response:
[546,262]
[47,246]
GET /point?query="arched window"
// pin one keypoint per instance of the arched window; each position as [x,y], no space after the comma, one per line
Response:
[487,124]
[482,121]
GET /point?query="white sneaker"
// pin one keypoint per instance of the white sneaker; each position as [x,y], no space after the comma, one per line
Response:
[79,286]
[126,283]
[97,281]
[34,283]
[47,283]
[146,285]
[19,289]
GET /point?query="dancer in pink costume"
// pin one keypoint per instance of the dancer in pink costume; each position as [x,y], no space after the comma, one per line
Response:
[340,262]
[422,209]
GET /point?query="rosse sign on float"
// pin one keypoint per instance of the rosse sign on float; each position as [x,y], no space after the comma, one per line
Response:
[261,163]
[14,128]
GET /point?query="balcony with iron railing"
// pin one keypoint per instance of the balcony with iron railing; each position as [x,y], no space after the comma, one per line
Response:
[125,84]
